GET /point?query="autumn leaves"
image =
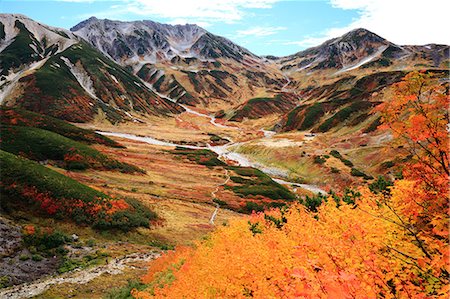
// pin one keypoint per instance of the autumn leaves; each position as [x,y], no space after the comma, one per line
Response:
[390,244]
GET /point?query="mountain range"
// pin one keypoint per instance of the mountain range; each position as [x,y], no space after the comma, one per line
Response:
[120,141]
[122,71]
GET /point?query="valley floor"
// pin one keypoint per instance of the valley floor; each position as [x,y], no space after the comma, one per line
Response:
[180,191]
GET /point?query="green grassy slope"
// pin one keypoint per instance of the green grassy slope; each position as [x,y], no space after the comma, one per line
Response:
[38,144]
[259,107]
[54,90]
[29,186]
[20,117]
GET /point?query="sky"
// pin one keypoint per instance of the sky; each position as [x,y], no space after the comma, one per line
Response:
[265,27]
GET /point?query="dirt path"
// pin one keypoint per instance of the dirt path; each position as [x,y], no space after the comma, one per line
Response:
[114,267]
[213,195]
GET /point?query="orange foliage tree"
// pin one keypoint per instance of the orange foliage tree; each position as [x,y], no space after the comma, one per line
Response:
[391,244]
[418,117]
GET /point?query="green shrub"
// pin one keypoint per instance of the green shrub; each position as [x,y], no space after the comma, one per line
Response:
[37,257]
[220,202]
[46,241]
[388,164]
[337,155]
[250,207]
[257,183]
[344,114]
[125,220]
[24,257]
[313,202]
[381,185]
[200,156]
[335,170]
[347,162]
[349,197]
[278,222]
[69,265]
[4,281]
[2,31]
[157,84]
[216,138]
[373,125]
[312,115]
[84,262]
[292,116]
[359,173]
[19,51]
[277,204]
[240,180]
[319,160]
[161,245]
[125,292]
[255,228]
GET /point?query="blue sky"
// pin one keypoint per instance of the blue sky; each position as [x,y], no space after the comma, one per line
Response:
[276,27]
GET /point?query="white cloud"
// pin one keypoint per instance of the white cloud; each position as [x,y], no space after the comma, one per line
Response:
[192,11]
[260,31]
[403,22]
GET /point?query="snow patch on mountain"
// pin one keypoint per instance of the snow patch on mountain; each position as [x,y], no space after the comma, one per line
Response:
[363,61]
[150,86]
[114,78]
[8,83]
[82,76]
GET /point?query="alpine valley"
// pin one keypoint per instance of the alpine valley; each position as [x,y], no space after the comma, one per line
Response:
[121,141]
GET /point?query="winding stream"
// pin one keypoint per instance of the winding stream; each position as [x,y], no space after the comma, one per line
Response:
[224,152]
[212,119]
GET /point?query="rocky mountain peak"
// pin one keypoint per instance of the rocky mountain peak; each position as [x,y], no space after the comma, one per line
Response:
[362,34]
[84,23]
[140,42]
[348,51]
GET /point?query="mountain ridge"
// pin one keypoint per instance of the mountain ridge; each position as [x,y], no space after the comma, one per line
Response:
[167,65]
[57,73]
[174,37]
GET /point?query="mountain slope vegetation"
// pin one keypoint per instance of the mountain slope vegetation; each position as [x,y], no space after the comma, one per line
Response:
[26,184]
[387,239]
[20,117]
[319,174]
[39,145]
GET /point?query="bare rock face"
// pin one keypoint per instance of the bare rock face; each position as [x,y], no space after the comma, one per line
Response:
[15,269]
[338,53]
[24,41]
[123,71]
[183,62]
[361,48]
[10,238]
[152,42]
